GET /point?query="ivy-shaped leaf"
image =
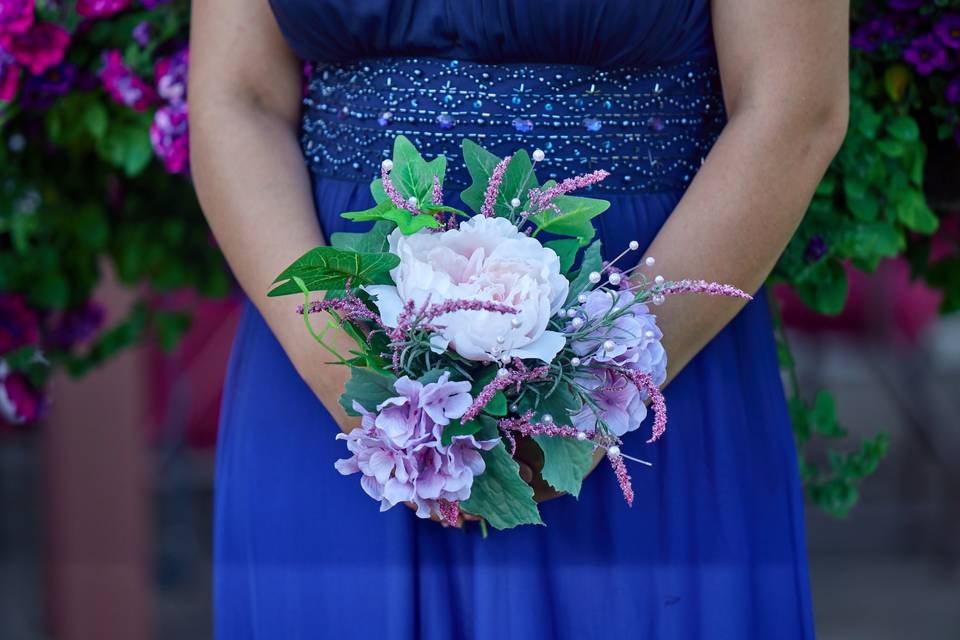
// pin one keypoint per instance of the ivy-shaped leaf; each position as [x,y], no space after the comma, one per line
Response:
[574,217]
[369,388]
[326,268]
[373,241]
[499,495]
[566,249]
[517,181]
[592,261]
[565,462]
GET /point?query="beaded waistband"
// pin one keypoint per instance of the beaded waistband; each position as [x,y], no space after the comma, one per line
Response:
[650,128]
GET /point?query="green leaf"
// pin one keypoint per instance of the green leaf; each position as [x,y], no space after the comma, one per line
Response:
[904,128]
[499,495]
[592,261]
[456,428]
[325,268]
[866,207]
[406,221]
[565,462]
[891,148]
[566,249]
[823,415]
[373,241]
[375,212]
[573,219]
[517,181]
[411,174]
[826,288]
[913,212]
[369,388]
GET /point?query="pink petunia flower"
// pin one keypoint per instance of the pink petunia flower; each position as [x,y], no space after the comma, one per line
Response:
[10,74]
[38,48]
[20,403]
[124,85]
[171,76]
[169,135]
[101,8]
[16,16]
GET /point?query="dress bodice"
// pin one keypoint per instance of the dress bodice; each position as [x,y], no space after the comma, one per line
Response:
[601,33]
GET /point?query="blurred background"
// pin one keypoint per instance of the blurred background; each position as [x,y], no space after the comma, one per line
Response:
[117,313]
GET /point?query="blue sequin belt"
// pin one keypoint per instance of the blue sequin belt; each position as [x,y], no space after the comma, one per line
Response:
[651,128]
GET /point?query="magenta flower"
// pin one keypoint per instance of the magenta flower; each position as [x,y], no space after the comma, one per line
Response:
[871,35]
[170,137]
[39,47]
[947,29]
[952,92]
[18,323]
[124,85]
[16,16]
[629,339]
[399,452]
[20,403]
[926,54]
[171,76]
[10,75]
[101,8]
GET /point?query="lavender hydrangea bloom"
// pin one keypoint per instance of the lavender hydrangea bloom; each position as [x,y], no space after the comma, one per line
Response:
[398,449]
[618,403]
[633,336]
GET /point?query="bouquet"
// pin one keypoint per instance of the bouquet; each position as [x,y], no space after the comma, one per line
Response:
[471,333]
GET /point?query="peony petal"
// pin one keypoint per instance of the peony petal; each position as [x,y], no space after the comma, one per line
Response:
[438,344]
[388,302]
[544,348]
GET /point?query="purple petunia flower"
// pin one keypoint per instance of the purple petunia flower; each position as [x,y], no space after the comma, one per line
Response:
[904,5]
[16,16]
[900,24]
[142,33]
[153,4]
[171,76]
[926,54]
[169,135]
[18,323]
[952,92]
[816,249]
[399,451]
[947,29]
[871,35]
[39,92]
[76,325]
[630,339]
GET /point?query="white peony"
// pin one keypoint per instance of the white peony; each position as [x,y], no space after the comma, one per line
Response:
[486,259]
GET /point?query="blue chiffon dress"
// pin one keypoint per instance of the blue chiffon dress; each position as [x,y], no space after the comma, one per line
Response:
[713,546]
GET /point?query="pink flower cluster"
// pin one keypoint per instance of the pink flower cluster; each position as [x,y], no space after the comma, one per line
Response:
[101,8]
[542,199]
[26,44]
[399,450]
[20,403]
[170,131]
[124,85]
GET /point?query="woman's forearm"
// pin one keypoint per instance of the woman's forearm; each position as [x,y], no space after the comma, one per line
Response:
[737,216]
[255,192]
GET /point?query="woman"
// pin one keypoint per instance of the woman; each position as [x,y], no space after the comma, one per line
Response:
[750,96]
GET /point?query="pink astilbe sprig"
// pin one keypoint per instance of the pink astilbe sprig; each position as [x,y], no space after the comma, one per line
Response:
[449,511]
[413,318]
[391,190]
[542,199]
[493,187]
[702,286]
[436,196]
[644,382]
[623,478]
[525,426]
[504,379]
